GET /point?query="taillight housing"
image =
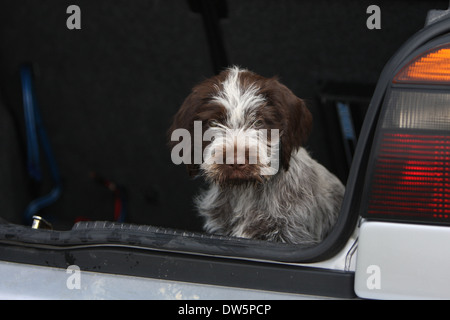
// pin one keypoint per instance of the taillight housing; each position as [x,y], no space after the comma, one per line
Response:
[409,167]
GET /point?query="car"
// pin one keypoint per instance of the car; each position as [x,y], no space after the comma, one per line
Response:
[389,240]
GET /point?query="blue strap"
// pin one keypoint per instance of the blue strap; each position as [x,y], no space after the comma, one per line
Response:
[34,130]
[33,166]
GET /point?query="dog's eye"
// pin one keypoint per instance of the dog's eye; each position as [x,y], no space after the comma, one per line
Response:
[212,123]
[258,124]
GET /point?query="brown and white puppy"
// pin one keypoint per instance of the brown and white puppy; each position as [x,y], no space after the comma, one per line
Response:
[262,182]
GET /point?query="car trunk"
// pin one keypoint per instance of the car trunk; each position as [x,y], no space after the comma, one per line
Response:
[107,93]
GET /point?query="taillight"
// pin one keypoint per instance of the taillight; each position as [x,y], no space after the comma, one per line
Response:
[432,66]
[410,163]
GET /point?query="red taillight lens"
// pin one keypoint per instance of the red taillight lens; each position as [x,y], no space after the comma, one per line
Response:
[412,176]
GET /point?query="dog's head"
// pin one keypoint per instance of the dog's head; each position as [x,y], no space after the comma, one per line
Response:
[242,127]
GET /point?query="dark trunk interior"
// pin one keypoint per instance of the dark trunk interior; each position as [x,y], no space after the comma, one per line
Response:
[107,92]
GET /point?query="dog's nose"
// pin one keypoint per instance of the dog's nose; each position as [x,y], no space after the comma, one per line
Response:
[235,160]
[237,165]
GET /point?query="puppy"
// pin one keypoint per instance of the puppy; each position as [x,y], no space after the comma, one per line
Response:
[263,184]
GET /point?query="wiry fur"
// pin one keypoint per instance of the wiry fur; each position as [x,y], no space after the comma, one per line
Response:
[298,204]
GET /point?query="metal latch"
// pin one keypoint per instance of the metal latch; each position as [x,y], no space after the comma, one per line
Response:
[41,223]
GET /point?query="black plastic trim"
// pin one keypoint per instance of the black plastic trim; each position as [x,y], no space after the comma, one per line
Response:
[147,237]
[135,261]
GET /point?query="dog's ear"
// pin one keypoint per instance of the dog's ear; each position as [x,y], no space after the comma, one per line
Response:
[184,119]
[297,124]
